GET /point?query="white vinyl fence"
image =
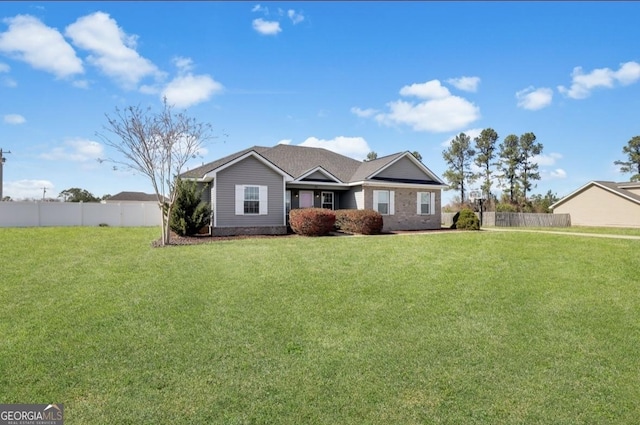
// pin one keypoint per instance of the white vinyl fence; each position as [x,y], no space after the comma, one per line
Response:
[37,214]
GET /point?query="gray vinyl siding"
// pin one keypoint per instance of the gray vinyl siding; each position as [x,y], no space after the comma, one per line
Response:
[352,199]
[249,171]
[317,176]
[404,169]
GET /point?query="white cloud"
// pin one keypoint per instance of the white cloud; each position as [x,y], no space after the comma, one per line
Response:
[296,17]
[465,83]
[112,50]
[471,132]
[534,99]
[546,160]
[14,119]
[582,84]
[429,90]
[284,142]
[9,82]
[187,89]
[558,173]
[438,115]
[4,67]
[266,27]
[259,8]
[76,150]
[439,112]
[28,189]
[354,147]
[81,84]
[364,113]
[42,47]
[628,73]
[183,64]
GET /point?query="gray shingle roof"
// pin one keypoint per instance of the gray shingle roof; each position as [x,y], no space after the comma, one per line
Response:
[298,160]
[133,196]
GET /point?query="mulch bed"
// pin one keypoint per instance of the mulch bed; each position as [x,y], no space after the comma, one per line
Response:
[176,240]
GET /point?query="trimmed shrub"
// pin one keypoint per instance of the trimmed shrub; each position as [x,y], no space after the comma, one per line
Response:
[365,222]
[189,213]
[312,221]
[467,220]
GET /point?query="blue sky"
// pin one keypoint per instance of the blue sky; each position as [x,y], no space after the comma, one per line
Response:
[349,76]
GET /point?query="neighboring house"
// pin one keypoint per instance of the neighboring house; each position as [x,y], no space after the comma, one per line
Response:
[252,191]
[602,203]
[132,197]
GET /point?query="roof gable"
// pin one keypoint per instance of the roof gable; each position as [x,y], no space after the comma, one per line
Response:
[611,187]
[401,167]
[318,174]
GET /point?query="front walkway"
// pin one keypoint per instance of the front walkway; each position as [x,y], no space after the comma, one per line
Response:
[593,235]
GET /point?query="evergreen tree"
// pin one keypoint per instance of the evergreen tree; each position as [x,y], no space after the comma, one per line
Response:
[485,148]
[508,165]
[459,157]
[189,213]
[529,148]
[632,150]
[371,156]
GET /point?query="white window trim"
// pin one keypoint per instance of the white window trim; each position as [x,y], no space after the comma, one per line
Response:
[332,199]
[432,203]
[391,201]
[263,195]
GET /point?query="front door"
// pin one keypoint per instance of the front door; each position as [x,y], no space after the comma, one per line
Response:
[306,199]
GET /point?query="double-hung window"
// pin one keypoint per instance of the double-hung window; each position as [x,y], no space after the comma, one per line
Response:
[426,203]
[251,199]
[383,201]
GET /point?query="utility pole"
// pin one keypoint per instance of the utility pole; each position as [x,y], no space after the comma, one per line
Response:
[2,160]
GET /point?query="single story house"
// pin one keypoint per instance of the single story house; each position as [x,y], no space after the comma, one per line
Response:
[602,203]
[252,191]
[132,197]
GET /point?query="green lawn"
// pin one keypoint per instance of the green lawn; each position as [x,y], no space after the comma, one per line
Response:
[446,328]
[586,229]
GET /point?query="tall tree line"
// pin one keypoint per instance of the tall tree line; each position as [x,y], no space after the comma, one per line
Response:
[511,163]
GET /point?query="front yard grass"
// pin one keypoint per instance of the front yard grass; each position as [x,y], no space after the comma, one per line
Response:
[447,328]
[628,231]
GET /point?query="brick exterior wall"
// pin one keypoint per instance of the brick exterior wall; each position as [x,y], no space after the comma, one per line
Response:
[263,230]
[405,217]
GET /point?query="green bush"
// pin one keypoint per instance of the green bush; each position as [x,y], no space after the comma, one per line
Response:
[467,220]
[189,213]
[312,221]
[365,222]
[506,207]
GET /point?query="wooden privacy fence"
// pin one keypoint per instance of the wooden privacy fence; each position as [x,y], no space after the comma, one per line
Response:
[509,219]
[506,219]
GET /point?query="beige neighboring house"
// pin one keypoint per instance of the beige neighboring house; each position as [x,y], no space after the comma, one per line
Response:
[602,203]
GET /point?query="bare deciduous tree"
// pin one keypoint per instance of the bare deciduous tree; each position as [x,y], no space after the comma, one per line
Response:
[157,145]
